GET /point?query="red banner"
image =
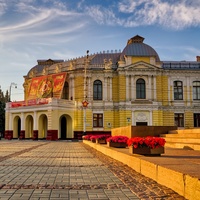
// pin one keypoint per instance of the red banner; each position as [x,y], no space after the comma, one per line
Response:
[30,102]
[47,86]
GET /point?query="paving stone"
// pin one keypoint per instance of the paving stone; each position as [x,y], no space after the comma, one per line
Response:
[68,170]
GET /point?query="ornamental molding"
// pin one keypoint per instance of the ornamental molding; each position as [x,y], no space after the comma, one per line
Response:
[142,66]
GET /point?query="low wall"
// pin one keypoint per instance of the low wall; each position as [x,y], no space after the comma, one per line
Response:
[185,185]
[142,131]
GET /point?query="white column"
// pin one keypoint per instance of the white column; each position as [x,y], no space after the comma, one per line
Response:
[188,86]
[35,121]
[10,121]
[105,96]
[150,118]
[154,88]
[133,88]
[149,88]
[127,88]
[110,89]
[72,88]
[22,121]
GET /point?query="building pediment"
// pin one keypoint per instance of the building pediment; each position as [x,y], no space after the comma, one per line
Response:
[142,66]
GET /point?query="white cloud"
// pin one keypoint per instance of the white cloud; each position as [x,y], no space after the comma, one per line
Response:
[175,15]
[103,15]
[40,21]
[3,7]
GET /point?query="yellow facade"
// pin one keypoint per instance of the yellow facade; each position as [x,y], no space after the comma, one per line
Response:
[158,118]
[138,59]
[189,119]
[115,86]
[122,88]
[103,91]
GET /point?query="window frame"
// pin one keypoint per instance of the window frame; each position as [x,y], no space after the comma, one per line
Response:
[179,119]
[97,120]
[140,89]
[97,90]
[65,93]
[196,119]
[178,90]
[196,90]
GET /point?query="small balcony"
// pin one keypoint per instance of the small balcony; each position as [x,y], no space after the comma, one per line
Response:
[41,102]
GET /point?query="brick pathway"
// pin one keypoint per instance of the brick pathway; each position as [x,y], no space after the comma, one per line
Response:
[145,188]
[70,170]
[56,170]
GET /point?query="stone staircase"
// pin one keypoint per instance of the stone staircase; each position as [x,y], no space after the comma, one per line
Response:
[184,139]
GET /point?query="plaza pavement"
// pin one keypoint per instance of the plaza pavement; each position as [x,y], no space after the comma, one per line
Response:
[42,170]
[31,170]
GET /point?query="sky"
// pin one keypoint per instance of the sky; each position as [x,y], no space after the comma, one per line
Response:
[31,30]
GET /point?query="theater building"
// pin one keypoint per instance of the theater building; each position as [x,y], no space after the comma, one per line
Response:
[95,93]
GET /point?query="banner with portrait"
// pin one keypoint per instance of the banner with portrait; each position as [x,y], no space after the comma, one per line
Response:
[47,86]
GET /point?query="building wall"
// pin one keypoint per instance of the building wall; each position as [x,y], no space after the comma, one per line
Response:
[119,104]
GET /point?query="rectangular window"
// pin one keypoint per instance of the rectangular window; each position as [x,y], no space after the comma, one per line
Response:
[179,119]
[197,120]
[178,90]
[196,90]
[97,120]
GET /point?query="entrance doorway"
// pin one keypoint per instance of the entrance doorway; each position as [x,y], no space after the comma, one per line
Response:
[141,123]
[18,127]
[63,128]
[42,126]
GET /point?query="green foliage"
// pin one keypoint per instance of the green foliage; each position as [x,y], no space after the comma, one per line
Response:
[3,100]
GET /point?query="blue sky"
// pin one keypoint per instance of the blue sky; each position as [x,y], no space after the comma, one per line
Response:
[64,29]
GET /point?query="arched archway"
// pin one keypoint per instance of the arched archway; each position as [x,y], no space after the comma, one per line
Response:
[63,128]
[66,131]
[42,126]
[16,127]
[29,127]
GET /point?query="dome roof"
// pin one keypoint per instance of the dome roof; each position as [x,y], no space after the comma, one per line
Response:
[136,47]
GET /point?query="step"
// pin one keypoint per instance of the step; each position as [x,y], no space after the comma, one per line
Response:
[181,135]
[187,131]
[182,140]
[188,146]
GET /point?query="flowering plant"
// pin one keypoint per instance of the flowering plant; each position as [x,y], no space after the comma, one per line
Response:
[101,137]
[86,137]
[117,139]
[149,141]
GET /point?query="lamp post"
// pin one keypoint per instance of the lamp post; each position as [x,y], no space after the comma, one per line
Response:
[85,103]
[12,84]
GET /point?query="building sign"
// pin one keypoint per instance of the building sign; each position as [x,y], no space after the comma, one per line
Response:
[47,86]
[30,102]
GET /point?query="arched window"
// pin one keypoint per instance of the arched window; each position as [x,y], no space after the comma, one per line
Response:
[97,90]
[178,90]
[196,90]
[65,94]
[140,89]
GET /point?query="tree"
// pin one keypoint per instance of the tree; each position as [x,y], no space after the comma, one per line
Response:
[3,101]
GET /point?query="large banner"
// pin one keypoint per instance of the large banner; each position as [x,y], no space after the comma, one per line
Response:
[47,86]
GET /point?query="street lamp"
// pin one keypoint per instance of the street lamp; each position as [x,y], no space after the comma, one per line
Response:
[12,84]
[85,103]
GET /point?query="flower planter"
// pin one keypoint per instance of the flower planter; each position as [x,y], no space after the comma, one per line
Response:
[93,140]
[117,144]
[101,141]
[146,151]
